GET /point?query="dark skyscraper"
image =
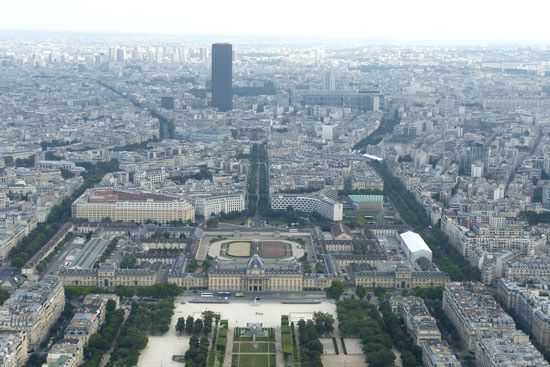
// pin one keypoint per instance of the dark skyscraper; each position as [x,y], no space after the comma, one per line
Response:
[222,75]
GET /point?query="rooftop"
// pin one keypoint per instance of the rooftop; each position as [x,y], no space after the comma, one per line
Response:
[366,198]
[113,196]
[414,242]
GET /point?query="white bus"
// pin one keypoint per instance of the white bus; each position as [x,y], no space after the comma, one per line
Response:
[207,294]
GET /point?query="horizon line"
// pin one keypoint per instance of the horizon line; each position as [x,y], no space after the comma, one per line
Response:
[412,41]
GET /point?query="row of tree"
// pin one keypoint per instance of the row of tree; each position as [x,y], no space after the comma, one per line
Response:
[57,143]
[145,318]
[59,214]
[195,326]
[134,147]
[258,180]
[310,346]
[203,174]
[101,342]
[158,291]
[386,126]
[534,218]
[324,323]
[335,290]
[411,355]
[358,318]
[107,252]
[197,354]
[445,256]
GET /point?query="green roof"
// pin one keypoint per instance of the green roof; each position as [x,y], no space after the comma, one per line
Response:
[363,198]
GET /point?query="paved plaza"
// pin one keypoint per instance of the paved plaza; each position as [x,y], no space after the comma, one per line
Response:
[238,312]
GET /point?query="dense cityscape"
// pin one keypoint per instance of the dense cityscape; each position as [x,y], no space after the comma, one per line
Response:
[177,201]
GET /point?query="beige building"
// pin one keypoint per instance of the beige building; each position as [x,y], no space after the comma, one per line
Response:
[163,244]
[82,326]
[508,350]
[490,239]
[436,353]
[14,235]
[252,275]
[531,306]
[402,277]
[33,308]
[109,275]
[188,280]
[255,277]
[13,348]
[97,204]
[473,311]
[67,353]
[420,325]
[527,268]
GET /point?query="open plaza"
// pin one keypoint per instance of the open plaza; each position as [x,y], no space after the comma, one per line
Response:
[238,313]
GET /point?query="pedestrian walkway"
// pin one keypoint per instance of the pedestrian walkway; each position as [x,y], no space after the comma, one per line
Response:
[278,347]
[228,348]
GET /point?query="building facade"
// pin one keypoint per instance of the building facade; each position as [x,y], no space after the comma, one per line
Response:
[13,348]
[473,312]
[420,325]
[222,76]
[109,275]
[208,205]
[401,278]
[437,353]
[96,205]
[318,203]
[33,308]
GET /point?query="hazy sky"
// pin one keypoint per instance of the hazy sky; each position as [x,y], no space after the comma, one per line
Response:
[504,20]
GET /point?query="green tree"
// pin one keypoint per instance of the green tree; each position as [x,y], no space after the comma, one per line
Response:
[335,290]
[324,322]
[197,327]
[189,323]
[4,295]
[379,292]
[66,174]
[360,291]
[128,262]
[180,325]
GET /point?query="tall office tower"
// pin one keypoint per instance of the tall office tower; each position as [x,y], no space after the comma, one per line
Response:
[120,54]
[222,75]
[330,81]
[203,54]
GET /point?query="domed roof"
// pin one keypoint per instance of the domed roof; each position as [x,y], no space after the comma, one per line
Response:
[255,262]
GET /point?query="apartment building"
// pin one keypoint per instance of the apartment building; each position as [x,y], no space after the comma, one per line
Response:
[508,350]
[13,348]
[33,308]
[420,325]
[95,205]
[436,353]
[473,311]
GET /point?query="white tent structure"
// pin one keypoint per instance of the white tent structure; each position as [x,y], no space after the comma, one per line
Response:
[414,246]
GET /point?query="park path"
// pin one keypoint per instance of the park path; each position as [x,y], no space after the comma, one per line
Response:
[279,361]
[398,362]
[107,356]
[228,348]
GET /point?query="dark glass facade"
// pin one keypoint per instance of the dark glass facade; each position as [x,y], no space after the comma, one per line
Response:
[222,76]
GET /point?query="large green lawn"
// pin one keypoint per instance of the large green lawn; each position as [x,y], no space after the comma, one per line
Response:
[248,347]
[253,360]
